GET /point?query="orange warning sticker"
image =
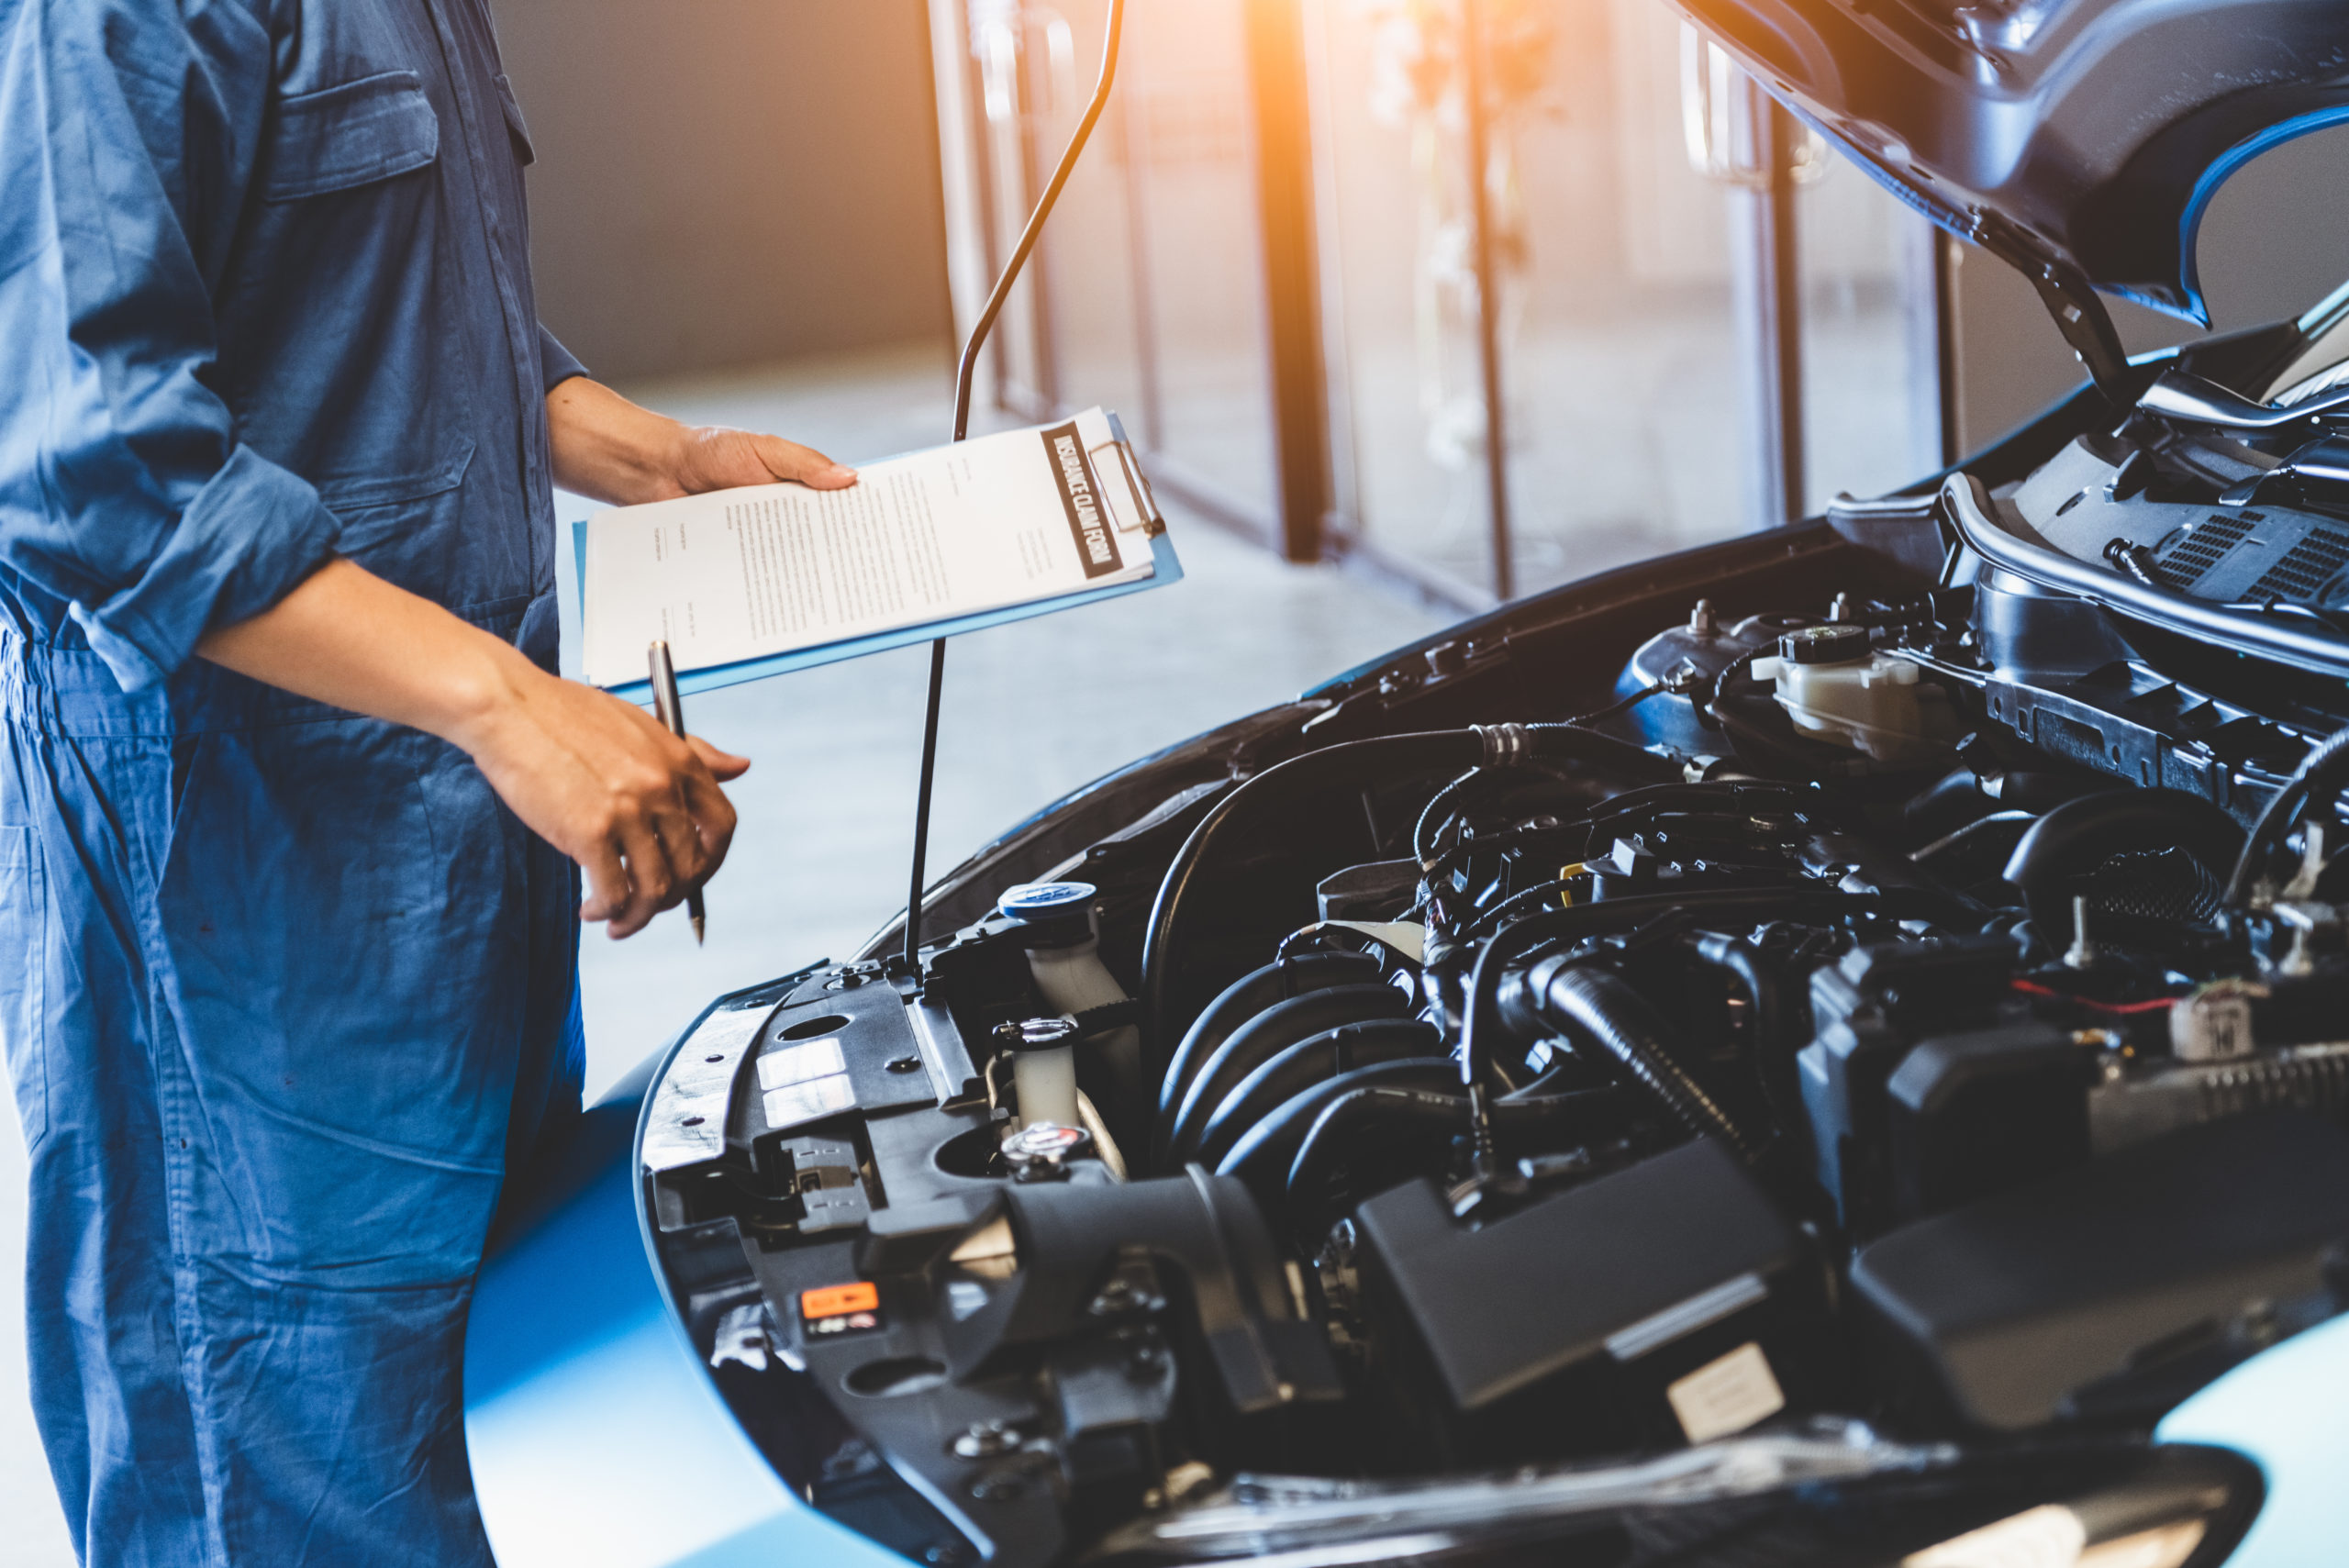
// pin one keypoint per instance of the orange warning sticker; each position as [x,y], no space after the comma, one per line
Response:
[837,1300]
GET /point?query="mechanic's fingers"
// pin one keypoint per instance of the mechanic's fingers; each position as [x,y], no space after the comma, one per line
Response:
[789,459]
[676,827]
[606,881]
[724,766]
[714,819]
[653,882]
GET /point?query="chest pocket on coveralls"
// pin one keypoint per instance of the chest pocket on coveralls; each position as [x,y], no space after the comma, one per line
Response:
[353,384]
[341,138]
[24,938]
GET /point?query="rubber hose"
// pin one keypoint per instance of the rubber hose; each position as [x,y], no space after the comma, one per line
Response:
[1480,1024]
[1261,1155]
[1518,904]
[1264,1036]
[1778,1031]
[1566,1072]
[1755,794]
[2318,776]
[1947,804]
[1242,1000]
[1437,808]
[1351,764]
[1432,815]
[1326,1055]
[1983,831]
[2081,835]
[1421,1110]
[2043,791]
[1605,1008]
[1708,711]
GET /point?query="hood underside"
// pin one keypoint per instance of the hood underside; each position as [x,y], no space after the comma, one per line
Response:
[2078,139]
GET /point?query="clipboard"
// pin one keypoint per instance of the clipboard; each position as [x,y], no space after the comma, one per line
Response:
[1165,571]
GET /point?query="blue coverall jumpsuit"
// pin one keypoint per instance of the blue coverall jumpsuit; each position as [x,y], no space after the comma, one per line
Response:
[286,991]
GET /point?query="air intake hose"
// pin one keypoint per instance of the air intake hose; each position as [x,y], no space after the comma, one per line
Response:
[1261,1156]
[1241,1002]
[1264,1036]
[2063,848]
[1298,1068]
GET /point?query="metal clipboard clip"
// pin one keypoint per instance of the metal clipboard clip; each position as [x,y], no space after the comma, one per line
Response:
[1154,522]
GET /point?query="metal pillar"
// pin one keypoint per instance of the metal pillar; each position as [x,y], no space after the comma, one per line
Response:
[1932,294]
[1488,348]
[1292,283]
[1766,278]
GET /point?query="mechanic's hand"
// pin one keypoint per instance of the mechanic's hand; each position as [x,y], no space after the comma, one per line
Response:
[716,458]
[603,782]
[609,448]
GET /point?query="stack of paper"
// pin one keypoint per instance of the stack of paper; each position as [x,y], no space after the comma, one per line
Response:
[746,579]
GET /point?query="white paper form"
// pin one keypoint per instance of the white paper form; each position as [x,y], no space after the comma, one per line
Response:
[769,569]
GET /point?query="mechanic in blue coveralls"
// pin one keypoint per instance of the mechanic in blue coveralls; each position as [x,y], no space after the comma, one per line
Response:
[291,800]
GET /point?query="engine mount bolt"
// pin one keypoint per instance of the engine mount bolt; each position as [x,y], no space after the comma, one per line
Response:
[2082,952]
[985,1439]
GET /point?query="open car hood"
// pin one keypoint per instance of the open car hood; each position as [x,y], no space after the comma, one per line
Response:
[2079,139]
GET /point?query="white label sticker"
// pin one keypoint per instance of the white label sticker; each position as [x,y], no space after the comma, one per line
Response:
[1726,1396]
[798,1063]
[812,1101]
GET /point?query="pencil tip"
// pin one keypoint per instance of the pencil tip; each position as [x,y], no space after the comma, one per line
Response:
[697,925]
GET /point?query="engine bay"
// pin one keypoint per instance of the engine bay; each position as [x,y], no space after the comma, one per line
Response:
[1827,1018]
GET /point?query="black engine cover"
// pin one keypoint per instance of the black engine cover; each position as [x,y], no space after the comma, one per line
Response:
[1995,1315]
[1650,1306]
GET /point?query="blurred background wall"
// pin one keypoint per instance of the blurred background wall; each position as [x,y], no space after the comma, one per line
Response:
[722,181]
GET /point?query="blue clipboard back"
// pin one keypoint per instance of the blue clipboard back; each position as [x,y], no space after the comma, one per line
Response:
[1165,571]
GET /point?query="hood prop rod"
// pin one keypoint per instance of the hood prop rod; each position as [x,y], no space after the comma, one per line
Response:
[2087,325]
[909,961]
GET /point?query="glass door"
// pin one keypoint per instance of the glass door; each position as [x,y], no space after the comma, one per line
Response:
[1675,328]
[1146,294]
[1625,307]
[1609,267]
[1872,405]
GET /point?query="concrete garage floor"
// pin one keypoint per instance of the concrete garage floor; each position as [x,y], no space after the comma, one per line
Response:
[820,858]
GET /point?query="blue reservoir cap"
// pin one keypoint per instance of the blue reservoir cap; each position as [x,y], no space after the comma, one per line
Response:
[1039,901]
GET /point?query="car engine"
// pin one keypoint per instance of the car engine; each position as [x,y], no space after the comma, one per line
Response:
[1835,1015]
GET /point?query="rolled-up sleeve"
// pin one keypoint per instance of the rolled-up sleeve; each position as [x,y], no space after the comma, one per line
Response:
[128,134]
[557,365]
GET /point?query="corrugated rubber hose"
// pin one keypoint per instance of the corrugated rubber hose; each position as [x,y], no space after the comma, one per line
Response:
[1602,1008]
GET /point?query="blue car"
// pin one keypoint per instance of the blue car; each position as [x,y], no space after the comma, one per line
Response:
[1830,1047]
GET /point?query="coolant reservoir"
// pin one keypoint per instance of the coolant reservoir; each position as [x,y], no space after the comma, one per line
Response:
[1835,687]
[1043,1071]
[1065,958]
